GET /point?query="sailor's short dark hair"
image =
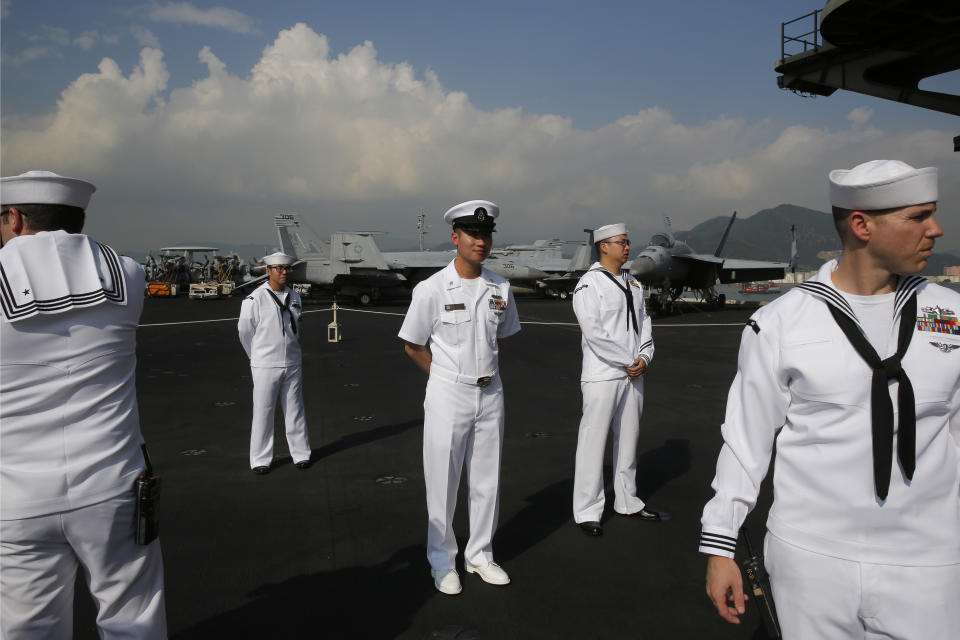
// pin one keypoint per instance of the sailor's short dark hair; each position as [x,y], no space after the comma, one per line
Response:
[49,217]
[840,216]
[471,226]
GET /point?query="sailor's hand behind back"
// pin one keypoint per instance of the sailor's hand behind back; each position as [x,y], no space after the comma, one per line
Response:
[725,584]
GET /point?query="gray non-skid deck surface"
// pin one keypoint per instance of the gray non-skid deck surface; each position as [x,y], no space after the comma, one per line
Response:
[337,551]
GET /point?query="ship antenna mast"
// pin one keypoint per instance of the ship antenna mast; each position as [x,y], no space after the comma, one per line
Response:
[421,227]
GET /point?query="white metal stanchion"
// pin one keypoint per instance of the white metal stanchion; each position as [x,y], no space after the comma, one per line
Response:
[333,329]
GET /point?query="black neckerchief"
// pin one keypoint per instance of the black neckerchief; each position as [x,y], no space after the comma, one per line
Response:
[284,307]
[632,317]
[881,408]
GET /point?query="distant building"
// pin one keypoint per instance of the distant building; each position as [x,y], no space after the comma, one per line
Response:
[829,255]
[796,278]
[951,271]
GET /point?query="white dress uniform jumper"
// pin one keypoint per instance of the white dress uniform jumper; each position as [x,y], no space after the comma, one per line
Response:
[270,328]
[461,321]
[616,331]
[867,476]
[70,441]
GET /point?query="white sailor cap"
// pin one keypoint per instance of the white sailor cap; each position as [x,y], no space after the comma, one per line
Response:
[473,214]
[45,187]
[882,184]
[609,231]
[278,258]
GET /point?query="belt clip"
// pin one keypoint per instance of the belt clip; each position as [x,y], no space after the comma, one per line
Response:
[484,381]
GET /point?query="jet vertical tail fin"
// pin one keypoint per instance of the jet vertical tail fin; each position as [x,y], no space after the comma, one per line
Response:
[357,249]
[283,222]
[585,255]
[723,240]
[298,239]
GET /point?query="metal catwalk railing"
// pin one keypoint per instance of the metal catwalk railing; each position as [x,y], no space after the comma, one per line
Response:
[800,39]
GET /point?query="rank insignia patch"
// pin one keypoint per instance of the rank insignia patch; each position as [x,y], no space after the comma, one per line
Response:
[633,283]
[938,320]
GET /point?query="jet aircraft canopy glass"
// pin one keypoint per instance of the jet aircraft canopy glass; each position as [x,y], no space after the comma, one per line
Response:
[661,240]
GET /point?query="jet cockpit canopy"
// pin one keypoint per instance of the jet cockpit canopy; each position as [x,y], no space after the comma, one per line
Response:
[664,240]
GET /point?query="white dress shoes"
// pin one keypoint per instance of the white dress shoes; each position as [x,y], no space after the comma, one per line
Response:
[491,573]
[447,582]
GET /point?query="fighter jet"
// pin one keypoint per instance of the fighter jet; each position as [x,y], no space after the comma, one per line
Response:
[351,264]
[541,267]
[526,266]
[668,266]
[538,268]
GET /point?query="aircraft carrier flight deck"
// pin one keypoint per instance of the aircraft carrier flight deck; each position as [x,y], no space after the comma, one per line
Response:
[338,550]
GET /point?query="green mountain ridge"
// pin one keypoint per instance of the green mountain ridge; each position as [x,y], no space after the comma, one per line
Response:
[766,236]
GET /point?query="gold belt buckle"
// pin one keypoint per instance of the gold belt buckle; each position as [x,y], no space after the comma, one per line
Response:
[484,381]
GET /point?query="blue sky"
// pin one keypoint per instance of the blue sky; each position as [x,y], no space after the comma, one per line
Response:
[567,113]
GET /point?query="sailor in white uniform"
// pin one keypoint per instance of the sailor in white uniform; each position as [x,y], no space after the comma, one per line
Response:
[270,328]
[453,331]
[855,377]
[70,442]
[617,348]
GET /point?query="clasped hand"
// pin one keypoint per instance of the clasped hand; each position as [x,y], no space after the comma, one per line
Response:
[638,369]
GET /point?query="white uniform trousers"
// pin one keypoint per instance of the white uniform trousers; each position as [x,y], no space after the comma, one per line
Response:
[818,596]
[462,422]
[269,383]
[38,564]
[607,403]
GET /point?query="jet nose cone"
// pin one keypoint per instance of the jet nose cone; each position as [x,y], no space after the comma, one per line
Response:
[643,266]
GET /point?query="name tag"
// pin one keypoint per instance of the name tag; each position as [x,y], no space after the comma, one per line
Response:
[454,307]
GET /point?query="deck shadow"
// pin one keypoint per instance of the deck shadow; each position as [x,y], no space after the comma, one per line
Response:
[353,602]
[657,467]
[361,438]
[546,511]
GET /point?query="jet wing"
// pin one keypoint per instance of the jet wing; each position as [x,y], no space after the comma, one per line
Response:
[560,280]
[750,270]
[699,257]
[418,259]
[251,282]
[701,267]
[731,263]
[261,278]
[694,270]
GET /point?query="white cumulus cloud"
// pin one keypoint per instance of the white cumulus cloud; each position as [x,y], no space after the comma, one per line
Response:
[50,36]
[351,141]
[56,35]
[86,40]
[217,17]
[30,54]
[860,116]
[144,37]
